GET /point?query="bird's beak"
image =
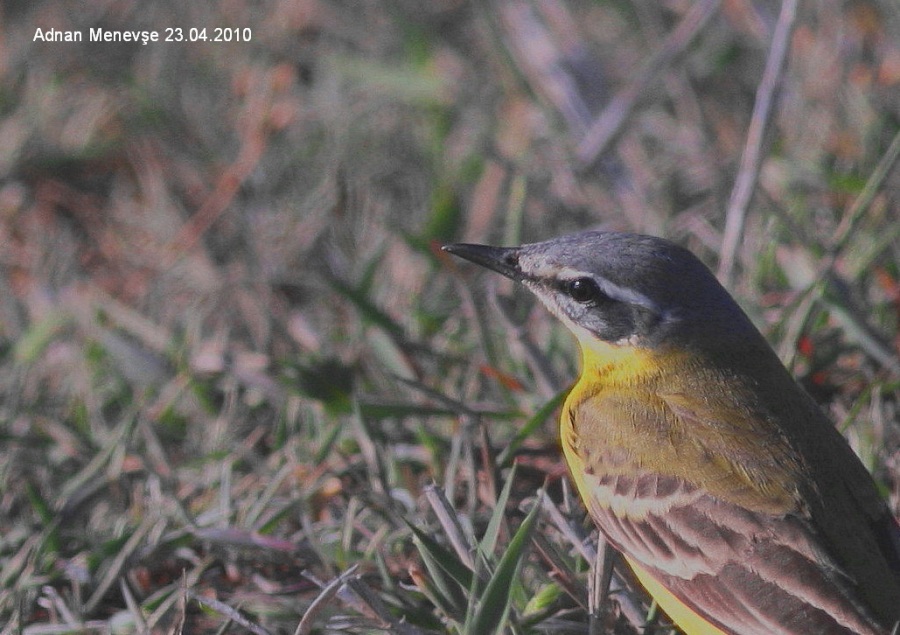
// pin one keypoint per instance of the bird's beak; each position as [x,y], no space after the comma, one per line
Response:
[504,260]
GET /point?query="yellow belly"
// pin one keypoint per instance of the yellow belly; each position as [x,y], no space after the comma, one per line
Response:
[686,618]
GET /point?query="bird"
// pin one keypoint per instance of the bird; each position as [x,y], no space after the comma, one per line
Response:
[736,502]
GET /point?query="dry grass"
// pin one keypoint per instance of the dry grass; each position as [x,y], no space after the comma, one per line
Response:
[233,363]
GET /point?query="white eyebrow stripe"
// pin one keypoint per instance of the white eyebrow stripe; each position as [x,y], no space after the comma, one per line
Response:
[614,291]
[628,295]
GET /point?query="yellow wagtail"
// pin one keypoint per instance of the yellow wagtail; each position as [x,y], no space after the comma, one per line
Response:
[738,505]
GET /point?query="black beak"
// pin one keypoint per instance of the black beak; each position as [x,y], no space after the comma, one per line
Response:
[504,260]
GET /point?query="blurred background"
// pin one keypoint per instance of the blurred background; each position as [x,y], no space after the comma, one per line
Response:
[234,361]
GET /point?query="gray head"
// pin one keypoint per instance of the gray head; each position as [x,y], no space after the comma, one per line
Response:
[621,288]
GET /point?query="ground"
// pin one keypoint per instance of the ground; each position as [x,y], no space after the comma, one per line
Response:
[241,388]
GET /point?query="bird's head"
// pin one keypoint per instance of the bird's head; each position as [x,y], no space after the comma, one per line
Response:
[619,289]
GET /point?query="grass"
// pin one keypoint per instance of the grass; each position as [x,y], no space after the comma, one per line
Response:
[244,391]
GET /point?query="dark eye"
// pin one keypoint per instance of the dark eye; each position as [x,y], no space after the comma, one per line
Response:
[583,290]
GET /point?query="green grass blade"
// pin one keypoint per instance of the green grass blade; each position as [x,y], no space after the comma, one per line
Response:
[489,540]
[474,593]
[495,602]
[506,456]
[35,340]
[444,558]
[366,307]
[446,572]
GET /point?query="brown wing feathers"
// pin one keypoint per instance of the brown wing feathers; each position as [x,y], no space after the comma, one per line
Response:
[765,574]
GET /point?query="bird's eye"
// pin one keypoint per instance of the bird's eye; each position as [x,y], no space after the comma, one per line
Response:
[583,290]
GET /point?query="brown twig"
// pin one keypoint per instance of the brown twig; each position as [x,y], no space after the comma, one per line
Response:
[254,140]
[745,183]
[329,591]
[541,60]
[609,123]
